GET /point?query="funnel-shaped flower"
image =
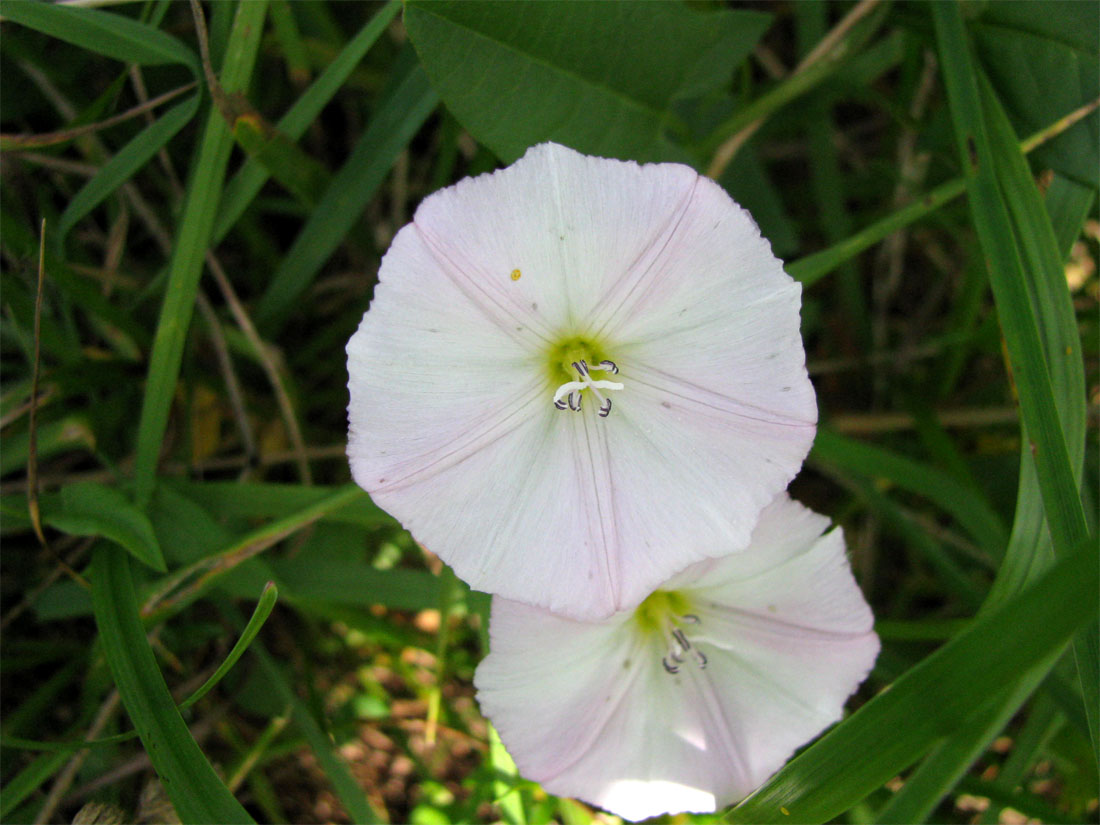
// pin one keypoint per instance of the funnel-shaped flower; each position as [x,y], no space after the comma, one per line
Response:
[691,700]
[578,376]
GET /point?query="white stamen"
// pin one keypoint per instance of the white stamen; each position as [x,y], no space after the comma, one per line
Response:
[681,646]
[573,389]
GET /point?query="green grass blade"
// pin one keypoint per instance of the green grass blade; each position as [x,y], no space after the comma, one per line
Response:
[112,35]
[1029,546]
[931,700]
[398,118]
[964,503]
[812,268]
[948,762]
[263,609]
[815,266]
[246,184]
[195,790]
[196,223]
[1061,499]
[28,780]
[209,569]
[128,160]
[1057,324]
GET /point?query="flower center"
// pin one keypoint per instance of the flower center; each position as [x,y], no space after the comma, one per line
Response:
[667,613]
[572,390]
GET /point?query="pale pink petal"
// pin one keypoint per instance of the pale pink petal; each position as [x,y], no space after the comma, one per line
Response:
[570,224]
[589,711]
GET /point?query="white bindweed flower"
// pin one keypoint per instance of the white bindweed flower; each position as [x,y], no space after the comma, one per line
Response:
[578,376]
[693,699]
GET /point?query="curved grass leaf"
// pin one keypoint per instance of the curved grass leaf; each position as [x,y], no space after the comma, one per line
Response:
[263,609]
[91,509]
[189,780]
[598,76]
[1061,499]
[106,33]
[931,700]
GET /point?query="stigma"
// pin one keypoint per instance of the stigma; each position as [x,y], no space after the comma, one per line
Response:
[568,395]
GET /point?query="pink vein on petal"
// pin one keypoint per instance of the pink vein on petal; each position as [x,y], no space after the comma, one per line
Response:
[471,440]
[491,302]
[598,463]
[608,709]
[703,397]
[712,708]
[637,285]
[780,627]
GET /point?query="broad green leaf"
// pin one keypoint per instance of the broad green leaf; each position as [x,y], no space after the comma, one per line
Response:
[185,267]
[91,509]
[1043,57]
[189,780]
[598,76]
[933,699]
[207,571]
[398,118]
[348,582]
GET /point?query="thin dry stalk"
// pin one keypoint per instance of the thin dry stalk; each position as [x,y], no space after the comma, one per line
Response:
[17,142]
[286,408]
[68,773]
[725,153]
[232,383]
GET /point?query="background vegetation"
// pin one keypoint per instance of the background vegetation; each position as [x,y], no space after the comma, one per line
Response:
[192,215]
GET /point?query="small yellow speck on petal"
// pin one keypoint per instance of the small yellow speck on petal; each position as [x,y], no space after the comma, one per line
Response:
[516,274]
